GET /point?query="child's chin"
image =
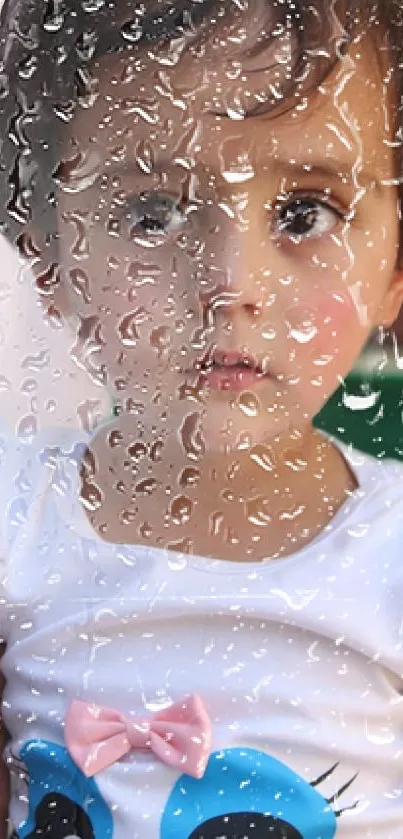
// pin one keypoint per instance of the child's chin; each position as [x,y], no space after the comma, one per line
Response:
[228,432]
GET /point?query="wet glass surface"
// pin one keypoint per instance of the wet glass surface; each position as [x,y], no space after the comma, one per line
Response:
[201,419]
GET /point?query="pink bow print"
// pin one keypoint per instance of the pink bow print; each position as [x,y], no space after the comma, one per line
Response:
[180,736]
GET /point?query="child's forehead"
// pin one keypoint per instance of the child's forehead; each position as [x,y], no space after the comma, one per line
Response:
[194,101]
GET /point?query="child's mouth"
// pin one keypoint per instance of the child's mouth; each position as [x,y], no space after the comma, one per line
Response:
[229,370]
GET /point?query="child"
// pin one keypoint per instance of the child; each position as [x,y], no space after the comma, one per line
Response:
[201,595]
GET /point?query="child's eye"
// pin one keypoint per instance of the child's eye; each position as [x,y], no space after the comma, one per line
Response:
[306,217]
[155,214]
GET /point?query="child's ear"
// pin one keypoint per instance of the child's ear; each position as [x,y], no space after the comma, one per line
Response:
[392,301]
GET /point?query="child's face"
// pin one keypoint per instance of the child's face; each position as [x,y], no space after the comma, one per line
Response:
[272,237]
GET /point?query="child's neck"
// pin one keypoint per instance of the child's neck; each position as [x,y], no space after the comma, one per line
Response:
[269,506]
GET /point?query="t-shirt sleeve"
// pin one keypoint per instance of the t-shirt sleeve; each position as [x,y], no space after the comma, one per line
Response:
[26,474]
[8,455]
[14,482]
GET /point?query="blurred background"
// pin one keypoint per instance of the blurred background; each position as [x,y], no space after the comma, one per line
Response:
[367,410]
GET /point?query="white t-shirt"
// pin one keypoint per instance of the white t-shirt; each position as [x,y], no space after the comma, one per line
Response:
[299,663]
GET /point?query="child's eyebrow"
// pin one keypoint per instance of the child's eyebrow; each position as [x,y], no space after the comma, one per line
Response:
[325,170]
[339,173]
[160,166]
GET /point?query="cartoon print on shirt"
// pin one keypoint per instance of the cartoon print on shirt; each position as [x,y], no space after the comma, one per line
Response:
[59,816]
[62,802]
[248,793]
[243,793]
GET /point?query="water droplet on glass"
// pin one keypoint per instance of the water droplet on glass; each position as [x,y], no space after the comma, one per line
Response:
[78,173]
[191,437]
[92,6]
[80,247]
[142,273]
[144,156]
[263,457]
[91,496]
[21,180]
[29,386]
[86,45]
[115,438]
[292,513]
[269,333]
[113,227]
[180,509]
[5,292]
[86,87]
[304,334]
[81,284]
[257,511]
[28,248]
[64,110]
[137,450]
[4,86]
[28,67]
[381,735]
[18,512]
[179,326]
[244,440]
[89,343]
[113,262]
[156,449]
[37,361]
[360,402]
[90,414]
[27,427]
[132,31]
[133,407]
[294,460]
[231,536]
[216,520]
[127,330]
[145,530]
[189,476]
[359,530]
[127,516]
[47,281]
[4,384]
[160,339]
[146,109]
[54,16]
[249,403]
[147,486]
[177,558]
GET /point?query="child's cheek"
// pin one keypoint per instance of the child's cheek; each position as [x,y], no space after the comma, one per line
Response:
[329,326]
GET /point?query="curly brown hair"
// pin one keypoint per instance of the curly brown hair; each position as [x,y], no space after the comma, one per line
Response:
[49,53]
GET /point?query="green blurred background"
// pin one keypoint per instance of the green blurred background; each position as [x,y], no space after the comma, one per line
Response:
[367,410]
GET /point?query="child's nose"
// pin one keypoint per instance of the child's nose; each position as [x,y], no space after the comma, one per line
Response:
[222,303]
[236,274]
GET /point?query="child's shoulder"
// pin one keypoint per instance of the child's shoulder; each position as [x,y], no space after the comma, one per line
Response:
[380,488]
[370,469]
[24,448]
[377,500]
[27,464]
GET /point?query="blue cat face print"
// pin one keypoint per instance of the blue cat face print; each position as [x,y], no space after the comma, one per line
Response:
[244,794]
[247,793]
[62,802]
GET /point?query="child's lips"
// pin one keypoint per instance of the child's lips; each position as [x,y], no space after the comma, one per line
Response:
[228,359]
[236,377]
[230,370]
